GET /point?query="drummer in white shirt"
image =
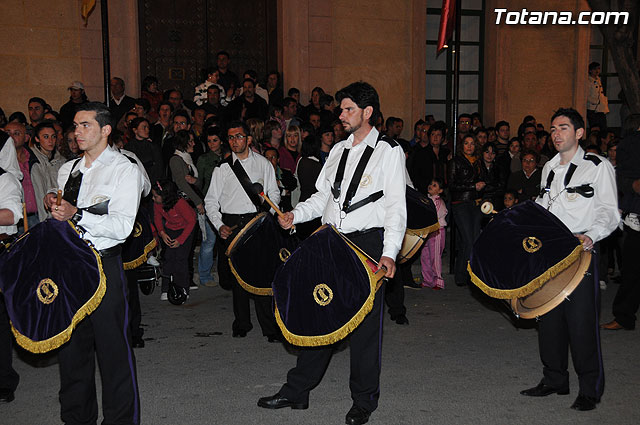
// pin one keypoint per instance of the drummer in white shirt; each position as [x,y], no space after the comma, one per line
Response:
[378,227]
[229,208]
[106,176]
[580,190]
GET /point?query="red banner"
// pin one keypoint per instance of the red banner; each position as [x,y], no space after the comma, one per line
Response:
[447,23]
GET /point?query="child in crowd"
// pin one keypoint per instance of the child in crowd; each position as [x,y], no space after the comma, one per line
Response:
[175,220]
[510,198]
[431,255]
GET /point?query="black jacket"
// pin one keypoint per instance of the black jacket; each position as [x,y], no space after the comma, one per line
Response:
[462,179]
[627,171]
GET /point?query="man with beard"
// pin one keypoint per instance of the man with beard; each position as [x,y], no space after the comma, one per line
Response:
[378,227]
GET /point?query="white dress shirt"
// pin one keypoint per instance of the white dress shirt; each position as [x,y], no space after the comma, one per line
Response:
[111,177]
[146,186]
[9,159]
[385,171]
[11,199]
[595,217]
[226,195]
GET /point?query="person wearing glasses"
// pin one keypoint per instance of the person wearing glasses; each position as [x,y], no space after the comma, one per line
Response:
[230,208]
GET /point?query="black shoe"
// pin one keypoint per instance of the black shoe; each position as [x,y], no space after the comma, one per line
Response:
[412,284]
[138,343]
[357,416]
[542,390]
[401,320]
[275,338]
[6,396]
[584,403]
[276,401]
[239,334]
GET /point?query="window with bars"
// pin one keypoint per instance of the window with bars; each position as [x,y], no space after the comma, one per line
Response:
[439,74]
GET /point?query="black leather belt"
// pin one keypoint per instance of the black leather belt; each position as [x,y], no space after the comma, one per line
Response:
[241,217]
[363,232]
[110,252]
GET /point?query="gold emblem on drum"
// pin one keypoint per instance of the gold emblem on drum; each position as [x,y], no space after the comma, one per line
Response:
[47,291]
[322,294]
[284,254]
[366,180]
[531,244]
[137,230]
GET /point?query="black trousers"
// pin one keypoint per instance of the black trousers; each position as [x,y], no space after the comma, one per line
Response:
[241,298]
[104,333]
[176,261]
[133,296]
[574,325]
[365,346]
[9,378]
[394,291]
[627,300]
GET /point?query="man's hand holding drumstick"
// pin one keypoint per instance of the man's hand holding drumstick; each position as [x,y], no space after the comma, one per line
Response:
[60,209]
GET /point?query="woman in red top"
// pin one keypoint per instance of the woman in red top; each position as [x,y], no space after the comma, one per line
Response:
[175,220]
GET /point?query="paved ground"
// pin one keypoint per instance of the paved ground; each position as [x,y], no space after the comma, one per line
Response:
[460,361]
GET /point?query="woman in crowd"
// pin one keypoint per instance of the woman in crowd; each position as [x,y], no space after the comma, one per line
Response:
[148,153]
[44,172]
[184,172]
[272,135]
[256,134]
[464,187]
[307,172]
[491,174]
[290,151]
[69,147]
[151,92]
[206,164]
[213,75]
[175,221]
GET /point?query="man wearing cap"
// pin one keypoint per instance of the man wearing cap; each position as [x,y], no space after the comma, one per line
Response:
[68,110]
[580,190]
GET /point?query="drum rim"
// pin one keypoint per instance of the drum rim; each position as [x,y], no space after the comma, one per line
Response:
[241,233]
[531,313]
[89,307]
[532,285]
[375,282]
[130,265]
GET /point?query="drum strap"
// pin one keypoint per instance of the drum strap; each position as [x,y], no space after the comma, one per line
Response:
[2,171]
[585,190]
[245,182]
[72,186]
[347,207]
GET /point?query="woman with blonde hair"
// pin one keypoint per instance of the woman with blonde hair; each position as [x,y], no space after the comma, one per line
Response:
[290,150]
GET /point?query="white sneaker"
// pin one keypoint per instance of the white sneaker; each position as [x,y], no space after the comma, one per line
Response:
[603,285]
[153,261]
[193,286]
[163,296]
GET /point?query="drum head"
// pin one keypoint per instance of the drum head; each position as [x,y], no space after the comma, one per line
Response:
[261,248]
[324,290]
[247,231]
[552,293]
[411,244]
[51,279]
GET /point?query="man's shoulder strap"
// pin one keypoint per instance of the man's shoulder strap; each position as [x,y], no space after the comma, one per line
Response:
[388,139]
[592,158]
[3,139]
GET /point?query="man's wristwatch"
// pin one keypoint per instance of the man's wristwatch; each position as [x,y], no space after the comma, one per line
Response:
[77,216]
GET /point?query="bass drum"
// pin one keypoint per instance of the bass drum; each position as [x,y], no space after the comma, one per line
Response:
[257,251]
[51,279]
[422,219]
[324,290]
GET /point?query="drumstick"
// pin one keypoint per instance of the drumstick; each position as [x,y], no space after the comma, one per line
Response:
[24,217]
[272,205]
[275,207]
[59,197]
